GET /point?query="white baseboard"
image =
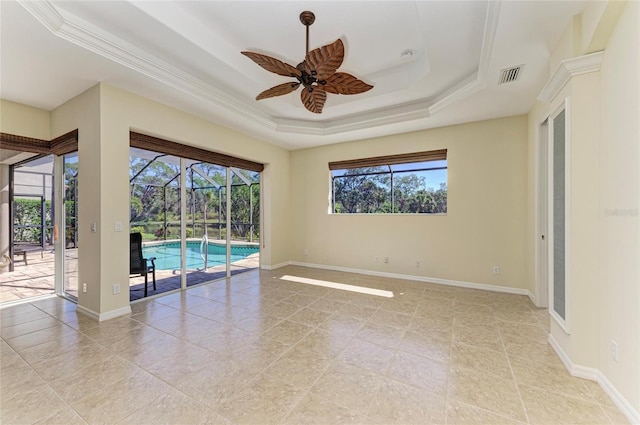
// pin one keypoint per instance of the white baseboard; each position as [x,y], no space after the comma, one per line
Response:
[88,312]
[625,407]
[439,281]
[596,375]
[275,266]
[101,317]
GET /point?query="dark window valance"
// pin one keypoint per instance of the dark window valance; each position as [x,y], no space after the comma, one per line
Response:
[377,161]
[143,141]
[64,144]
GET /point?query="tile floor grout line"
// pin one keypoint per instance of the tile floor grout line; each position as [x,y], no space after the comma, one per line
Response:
[450,364]
[47,382]
[513,376]
[329,364]
[502,326]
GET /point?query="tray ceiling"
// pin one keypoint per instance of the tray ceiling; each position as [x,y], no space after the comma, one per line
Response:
[431,63]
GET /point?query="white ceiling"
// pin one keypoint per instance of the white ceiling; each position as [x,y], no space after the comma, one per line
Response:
[187,54]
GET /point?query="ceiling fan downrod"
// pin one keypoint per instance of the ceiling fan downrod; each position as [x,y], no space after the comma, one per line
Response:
[307,18]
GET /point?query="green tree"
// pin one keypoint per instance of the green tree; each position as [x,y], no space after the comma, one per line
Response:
[361,190]
[368,190]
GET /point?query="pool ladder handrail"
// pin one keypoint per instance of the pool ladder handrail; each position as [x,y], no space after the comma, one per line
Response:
[204,250]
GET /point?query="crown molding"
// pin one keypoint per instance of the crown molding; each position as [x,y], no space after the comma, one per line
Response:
[478,80]
[411,111]
[108,45]
[75,30]
[400,113]
[568,69]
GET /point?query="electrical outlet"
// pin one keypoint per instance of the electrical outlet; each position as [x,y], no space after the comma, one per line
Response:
[84,288]
[116,288]
[386,260]
[614,350]
[417,264]
[117,226]
[376,259]
[306,252]
[496,270]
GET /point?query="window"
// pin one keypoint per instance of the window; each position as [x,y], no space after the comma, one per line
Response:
[398,184]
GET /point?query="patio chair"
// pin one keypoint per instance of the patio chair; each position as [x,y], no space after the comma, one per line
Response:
[139,265]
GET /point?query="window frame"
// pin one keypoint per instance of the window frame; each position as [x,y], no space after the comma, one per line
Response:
[387,161]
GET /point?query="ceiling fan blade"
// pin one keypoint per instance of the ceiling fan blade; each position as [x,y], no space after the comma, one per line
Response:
[344,83]
[278,90]
[313,98]
[273,65]
[325,60]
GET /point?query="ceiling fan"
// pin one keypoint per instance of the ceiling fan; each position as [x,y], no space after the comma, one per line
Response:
[316,73]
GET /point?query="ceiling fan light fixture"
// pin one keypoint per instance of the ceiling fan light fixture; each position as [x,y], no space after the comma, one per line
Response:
[317,73]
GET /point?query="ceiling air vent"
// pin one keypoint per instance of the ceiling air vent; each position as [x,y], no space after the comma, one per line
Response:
[510,74]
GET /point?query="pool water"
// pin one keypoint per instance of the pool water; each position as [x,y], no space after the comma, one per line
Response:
[168,254]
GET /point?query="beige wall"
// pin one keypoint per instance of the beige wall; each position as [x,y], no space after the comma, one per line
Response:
[24,120]
[604,163]
[128,111]
[568,46]
[83,113]
[104,116]
[619,176]
[485,225]
[536,117]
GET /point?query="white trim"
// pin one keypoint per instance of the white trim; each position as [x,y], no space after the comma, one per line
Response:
[568,295]
[560,352]
[275,266]
[81,33]
[399,113]
[479,82]
[618,399]
[562,322]
[101,317]
[435,280]
[7,304]
[88,312]
[532,297]
[76,30]
[567,69]
[596,375]
[542,283]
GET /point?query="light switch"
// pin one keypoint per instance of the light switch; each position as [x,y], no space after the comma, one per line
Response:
[118,226]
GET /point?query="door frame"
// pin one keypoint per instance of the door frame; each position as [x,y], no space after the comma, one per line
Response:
[565,106]
[541,235]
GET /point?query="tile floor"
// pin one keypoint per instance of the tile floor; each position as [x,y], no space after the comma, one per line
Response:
[257,349]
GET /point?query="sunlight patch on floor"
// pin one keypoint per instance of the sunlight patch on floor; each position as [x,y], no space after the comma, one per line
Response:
[342,286]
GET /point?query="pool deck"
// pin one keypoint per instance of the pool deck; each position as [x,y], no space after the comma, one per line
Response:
[168,280]
[37,278]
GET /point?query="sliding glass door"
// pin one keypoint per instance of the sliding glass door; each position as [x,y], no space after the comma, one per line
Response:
[244,223]
[155,213]
[68,233]
[205,222]
[171,195]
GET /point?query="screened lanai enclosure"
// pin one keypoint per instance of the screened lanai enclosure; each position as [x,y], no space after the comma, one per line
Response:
[217,207]
[42,228]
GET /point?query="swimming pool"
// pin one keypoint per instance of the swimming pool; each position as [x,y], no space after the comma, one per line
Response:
[168,254]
